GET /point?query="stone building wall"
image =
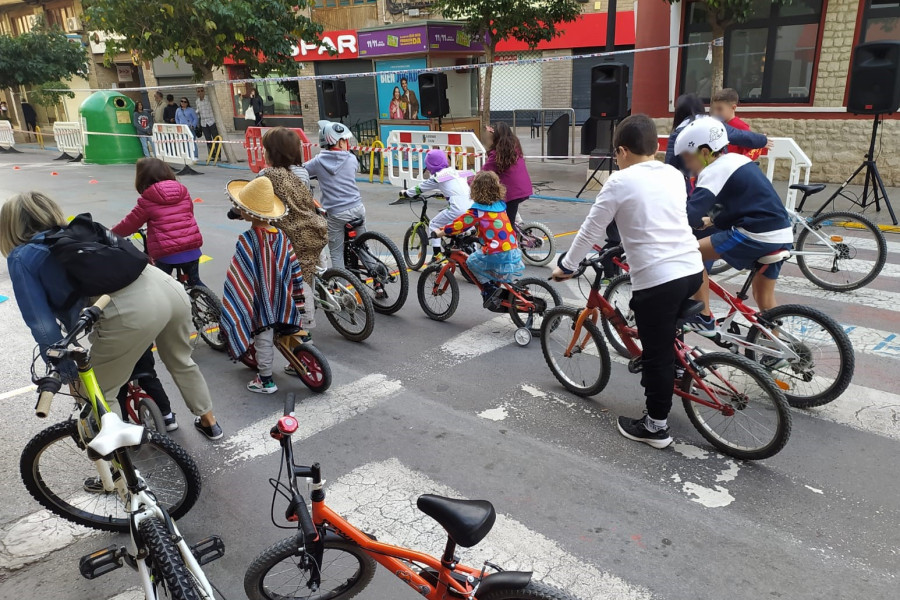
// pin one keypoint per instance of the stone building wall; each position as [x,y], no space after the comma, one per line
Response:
[834,60]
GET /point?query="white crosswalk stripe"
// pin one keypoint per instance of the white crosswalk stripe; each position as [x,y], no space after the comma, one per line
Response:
[868,297]
[35,536]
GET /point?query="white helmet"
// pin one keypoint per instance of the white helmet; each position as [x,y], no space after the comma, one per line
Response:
[330,133]
[702,131]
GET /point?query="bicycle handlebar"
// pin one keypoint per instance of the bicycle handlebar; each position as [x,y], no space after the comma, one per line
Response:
[290,402]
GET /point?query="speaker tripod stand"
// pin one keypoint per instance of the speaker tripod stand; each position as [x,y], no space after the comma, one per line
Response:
[873,180]
[604,160]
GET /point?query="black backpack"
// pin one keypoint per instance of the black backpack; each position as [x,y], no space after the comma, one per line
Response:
[96,260]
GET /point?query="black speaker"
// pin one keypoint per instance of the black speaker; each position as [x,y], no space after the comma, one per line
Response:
[875,79]
[609,91]
[334,98]
[433,101]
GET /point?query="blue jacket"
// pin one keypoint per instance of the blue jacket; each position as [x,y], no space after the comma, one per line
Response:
[187,116]
[42,288]
[738,137]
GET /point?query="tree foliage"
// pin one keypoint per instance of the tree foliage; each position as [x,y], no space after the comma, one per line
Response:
[41,56]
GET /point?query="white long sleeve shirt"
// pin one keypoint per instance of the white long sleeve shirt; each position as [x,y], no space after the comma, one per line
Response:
[454,187]
[648,202]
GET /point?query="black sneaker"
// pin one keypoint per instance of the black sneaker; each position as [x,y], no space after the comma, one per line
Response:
[701,324]
[213,432]
[437,257]
[171,423]
[93,485]
[636,429]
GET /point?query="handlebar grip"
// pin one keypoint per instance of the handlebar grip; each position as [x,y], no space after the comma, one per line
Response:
[42,408]
[101,302]
[290,402]
[307,526]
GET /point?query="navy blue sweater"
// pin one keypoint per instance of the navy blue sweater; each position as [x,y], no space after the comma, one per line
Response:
[738,137]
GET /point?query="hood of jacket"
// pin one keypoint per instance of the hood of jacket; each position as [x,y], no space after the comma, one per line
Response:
[166,192]
[333,160]
[496,206]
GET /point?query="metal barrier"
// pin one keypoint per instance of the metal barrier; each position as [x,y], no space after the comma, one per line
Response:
[39,136]
[7,139]
[69,140]
[404,154]
[542,125]
[215,151]
[175,144]
[253,143]
[787,149]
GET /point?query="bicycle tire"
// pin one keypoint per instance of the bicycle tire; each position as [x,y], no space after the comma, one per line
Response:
[206,317]
[165,560]
[720,266]
[803,261]
[318,372]
[760,379]
[581,384]
[617,286]
[36,480]
[530,282]
[847,360]
[386,306]
[548,244]
[535,590]
[359,301]
[426,290]
[248,359]
[415,234]
[150,415]
[288,550]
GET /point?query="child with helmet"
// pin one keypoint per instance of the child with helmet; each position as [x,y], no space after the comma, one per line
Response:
[453,185]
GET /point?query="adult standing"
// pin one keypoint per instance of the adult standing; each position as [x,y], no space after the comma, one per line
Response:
[143,125]
[29,116]
[207,117]
[159,107]
[409,96]
[4,111]
[170,110]
[256,104]
[506,159]
[153,308]
[185,115]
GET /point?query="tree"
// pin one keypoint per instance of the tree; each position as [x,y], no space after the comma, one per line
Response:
[258,33]
[529,21]
[722,14]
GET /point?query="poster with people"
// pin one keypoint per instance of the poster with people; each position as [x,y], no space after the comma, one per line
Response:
[398,88]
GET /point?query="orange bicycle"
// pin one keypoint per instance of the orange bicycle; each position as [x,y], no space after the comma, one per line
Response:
[330,559]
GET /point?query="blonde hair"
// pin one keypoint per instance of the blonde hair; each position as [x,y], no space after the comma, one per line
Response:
[25,215]
[487,189]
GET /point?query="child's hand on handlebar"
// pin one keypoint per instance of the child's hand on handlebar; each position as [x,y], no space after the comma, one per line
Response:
[410,193]
[560,275]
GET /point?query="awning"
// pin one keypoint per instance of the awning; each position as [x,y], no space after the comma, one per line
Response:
[588,31]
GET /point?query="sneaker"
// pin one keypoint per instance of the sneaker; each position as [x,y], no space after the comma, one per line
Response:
[262,387]
[213,432]
[773,363]
[289,370]
[701,324]
[171,423]
[494,300]
[436,258]
[93,485]
[636,429]
[380,294]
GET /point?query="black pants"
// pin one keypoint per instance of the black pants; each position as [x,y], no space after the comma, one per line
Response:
[656,312]
[192,269]
[512,208]
[145,373]
[209,132]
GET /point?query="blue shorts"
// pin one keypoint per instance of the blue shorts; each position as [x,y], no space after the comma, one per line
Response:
[741,252]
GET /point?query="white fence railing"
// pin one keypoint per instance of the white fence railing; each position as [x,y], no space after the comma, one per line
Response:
[800,165]
[404,153]
[69,139]
[175,145]
[7,140]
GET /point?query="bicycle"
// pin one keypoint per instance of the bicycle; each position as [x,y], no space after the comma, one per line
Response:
[526,300]
[536,241]
[206,307]
[142,409]
[729,399]
[349,310]
[307,361]
[132,483]
[330,558]
[378,264]
[810,355]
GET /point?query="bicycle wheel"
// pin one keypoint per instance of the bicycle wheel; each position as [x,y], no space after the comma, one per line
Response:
[206,310]
[249,358]
[415,246]
[586,371]
[171,577]
[535,590]
[760,423]
[719,267]
[846,251]
[54,467]
[618,293]
[356,318]
[149,414]
[537,244]
[282,572]
[438,300]
[544,297]
[826,360]
[382,271]
[315,372]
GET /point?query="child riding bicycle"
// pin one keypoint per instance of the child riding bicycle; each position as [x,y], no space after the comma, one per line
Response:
[646,198]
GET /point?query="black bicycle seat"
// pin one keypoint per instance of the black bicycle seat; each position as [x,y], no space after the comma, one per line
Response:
[808,189]
[467,522]
[357,222]
[690,308]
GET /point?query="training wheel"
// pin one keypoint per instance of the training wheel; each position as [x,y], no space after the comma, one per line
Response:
[523,336]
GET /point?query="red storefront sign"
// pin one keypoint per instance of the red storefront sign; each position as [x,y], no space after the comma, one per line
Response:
[345,42]
[588,31]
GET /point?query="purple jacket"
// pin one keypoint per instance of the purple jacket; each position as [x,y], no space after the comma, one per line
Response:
[515,178]
[167,209]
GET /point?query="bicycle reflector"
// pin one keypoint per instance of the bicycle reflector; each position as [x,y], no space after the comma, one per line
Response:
[837,239]
[287,425]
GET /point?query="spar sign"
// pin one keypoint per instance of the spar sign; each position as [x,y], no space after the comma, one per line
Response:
[345,42]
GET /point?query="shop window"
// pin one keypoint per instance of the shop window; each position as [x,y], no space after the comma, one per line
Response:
[280,98]
[881,21]
[770,58]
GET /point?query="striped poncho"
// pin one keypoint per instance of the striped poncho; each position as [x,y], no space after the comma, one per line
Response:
[263,288]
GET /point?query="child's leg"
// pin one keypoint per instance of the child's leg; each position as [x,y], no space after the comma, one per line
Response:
[764,290]
[122,397]
[265,353]
[708,253]
[192,269]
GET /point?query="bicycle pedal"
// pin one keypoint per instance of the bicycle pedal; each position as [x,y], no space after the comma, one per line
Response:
[100,562]
[208,550]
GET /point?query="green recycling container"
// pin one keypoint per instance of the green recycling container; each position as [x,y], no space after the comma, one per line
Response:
[109,112]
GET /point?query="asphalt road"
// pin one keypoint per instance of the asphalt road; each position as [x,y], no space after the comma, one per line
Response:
[458,408]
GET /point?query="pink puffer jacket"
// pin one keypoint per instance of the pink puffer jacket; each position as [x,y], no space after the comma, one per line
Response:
[167,209]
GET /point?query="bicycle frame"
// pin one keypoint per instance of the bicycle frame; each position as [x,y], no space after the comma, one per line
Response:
[797,219]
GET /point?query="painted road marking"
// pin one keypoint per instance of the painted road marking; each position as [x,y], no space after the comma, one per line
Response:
[481,339]
[3,298]
[130,594]
[35,536]
[19,392]
[381,498]
[314,413]
[866,297]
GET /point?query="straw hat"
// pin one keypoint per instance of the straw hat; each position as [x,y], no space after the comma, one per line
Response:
[257,198]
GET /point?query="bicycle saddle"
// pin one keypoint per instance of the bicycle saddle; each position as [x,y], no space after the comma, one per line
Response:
[808,188]
[690,308]
[467,522]
[115,434]
[775,257]
[355,223]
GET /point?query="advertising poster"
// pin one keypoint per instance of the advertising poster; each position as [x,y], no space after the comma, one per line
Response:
[398,93]
[403,40]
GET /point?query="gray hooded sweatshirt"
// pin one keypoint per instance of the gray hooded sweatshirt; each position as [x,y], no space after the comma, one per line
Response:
[336,171]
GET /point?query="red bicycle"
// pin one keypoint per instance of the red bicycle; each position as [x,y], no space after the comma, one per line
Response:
[731,400]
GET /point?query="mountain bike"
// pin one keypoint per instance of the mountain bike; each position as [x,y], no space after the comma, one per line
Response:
[378,264]
[330,558]
[731,400]
[141,480]
[526,300]
[350,311]
[807,352]
[308,362]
